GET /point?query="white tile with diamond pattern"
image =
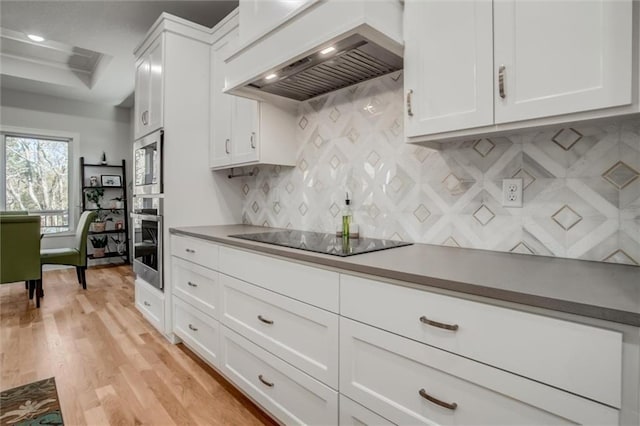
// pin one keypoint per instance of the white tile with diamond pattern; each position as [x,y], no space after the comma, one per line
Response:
[581,183]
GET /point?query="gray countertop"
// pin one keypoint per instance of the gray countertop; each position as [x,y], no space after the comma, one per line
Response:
[593,289]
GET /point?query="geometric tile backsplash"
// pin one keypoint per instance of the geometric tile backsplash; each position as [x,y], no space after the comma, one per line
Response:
[581,184]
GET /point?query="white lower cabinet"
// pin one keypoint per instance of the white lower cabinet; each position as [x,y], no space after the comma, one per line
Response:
[196,285]
[412,383]
[292,396]
[354,414]
[198,330]
[150,302]
[301,334]
[556,352]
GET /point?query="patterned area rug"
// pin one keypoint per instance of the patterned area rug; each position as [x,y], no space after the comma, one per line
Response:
[32,404]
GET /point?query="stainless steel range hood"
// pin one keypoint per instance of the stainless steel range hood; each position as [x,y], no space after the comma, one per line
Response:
[329,45]
[347,62]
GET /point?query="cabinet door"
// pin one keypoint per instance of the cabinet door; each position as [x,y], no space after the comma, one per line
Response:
[448,65]
[221,106]
[141,101]
[246,138]
[561,56]
[156,67]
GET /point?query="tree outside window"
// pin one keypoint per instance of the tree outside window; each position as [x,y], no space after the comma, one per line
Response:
[36,173]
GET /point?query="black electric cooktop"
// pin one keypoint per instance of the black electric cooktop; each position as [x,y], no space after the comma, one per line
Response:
[322,243]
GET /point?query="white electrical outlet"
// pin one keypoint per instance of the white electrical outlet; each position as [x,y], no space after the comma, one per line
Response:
[512,192]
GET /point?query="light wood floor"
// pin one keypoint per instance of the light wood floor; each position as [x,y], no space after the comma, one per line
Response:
[110,365]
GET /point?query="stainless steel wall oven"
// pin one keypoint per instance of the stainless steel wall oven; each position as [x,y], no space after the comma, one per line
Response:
[146,219]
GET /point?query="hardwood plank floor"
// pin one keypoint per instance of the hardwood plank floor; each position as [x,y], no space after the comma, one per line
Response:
[110,365]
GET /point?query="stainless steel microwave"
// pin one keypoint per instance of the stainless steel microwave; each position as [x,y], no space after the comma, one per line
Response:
[148,164]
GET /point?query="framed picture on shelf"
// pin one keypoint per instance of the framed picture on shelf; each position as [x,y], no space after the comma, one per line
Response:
[111,180]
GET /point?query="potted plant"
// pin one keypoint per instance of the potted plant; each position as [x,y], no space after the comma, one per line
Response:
[99,244]
[100,224]
[117,203]
[94,196]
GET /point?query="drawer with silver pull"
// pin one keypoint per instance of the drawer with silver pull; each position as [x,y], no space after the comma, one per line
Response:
[292,396]
[195,284]
[150,301]
[195,250]
[301,334]
[408,382]
[556,352]
[197,330]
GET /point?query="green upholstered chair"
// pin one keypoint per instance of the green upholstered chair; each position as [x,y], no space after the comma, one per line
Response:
[20,252]
[76,255]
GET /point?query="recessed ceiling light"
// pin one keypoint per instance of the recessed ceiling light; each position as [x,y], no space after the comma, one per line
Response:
[271,76]
[327,50]
[36,38]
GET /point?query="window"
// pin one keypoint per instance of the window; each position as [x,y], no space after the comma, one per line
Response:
[35,177]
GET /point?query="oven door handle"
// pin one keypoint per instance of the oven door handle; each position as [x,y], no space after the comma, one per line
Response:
[148,217]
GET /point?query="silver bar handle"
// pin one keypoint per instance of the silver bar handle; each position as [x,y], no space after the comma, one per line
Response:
[451,406]
[264,320]
[270,384]
[226,146]
[409,109]
[145,119]
[190,284]
[191,327]
[501,73]
[452,327]
[253,140]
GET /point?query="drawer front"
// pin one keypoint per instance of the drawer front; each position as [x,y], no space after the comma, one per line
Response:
[405,381]
[150,302]
[303,335]
[290,395]
[195,250]
[315,286]
[196,285]
[557,352]
[354,414]
[198,330]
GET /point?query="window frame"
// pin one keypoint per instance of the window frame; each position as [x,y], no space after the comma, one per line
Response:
[74,158]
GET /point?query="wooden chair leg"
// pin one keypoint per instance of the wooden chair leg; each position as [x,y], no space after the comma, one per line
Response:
[32,287]
[79,274]
[38,292]
[83,270]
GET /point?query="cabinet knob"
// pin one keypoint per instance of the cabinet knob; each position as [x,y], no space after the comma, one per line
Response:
[451,406]
[190,250]
[409,109]
[253,140]
[270,384]
[190,284]
[425,320]
[146,303]
[191,327]
[501,74]
[226,146]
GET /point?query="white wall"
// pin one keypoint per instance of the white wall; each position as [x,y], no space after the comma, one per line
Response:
[99,127]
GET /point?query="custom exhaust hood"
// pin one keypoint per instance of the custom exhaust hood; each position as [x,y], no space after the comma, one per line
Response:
[329,45]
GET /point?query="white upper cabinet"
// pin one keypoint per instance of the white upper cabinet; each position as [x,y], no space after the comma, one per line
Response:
[559,57]
[480,66]
[244,131]
[221,106]
[148,90]
[448,65]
